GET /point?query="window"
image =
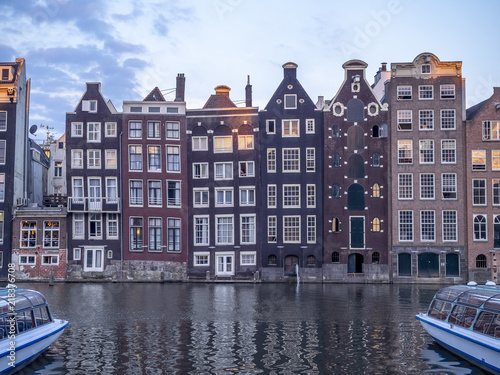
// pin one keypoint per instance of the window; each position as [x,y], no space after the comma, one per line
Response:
[154,130]
[94,259]
[5,74]
[335,257]
[481,261]
[174,193]
[174,234]
[135,157]
[428,223]
[496,191]
[495,160]
[200,197]
[51,234]
[311,195]
[404,92]
[291,196]
[135,129]
[95,225]
[27,260]
[291,229]
[376,224]
[200,170]
[310,126]
[376,190]
[78,190]
[496,231]
[336,131]
[172,129]
[271,196]
[426,68]
[449,185]
[3,120]
[110,254]
[28,233]
[335,190]
[450,226]
[224,171]
[223,196]
[335,160]
[247,169]
[173,159]
[447,91]
[94,159]
[405,186]
[60,145]
[112,226]
[111,159]
[491,130]
[426,151]
[426,92]
[355,110]
[271,160]
[247,258]
[404,120]
[2,187]
[224,230]
[201,230]
[479,192]
[478,160]
[405,225]
[77,253]
[136,193]
[94,132]
[272,229]
[448,151]
[247,230]
[89,105]
[136,233]
[77,129]
[480,228]
[447,119]
[405,152]
[335,225]
[290,101]
[154,158]
[245,142]
[271,126]
[310,159]
[111,190]
[201,259]
[290,128]
[2,151]
[311,229]
[291,160]
[376,160]
[223,144]
[426,121]
[272,260]
[76,159]
[247,196]
[427,186]
[200,143]
[110,129]
[154,193]
[58,169]
[78,225]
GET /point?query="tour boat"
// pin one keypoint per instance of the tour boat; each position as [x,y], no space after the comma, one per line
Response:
[465,319]
[27,328]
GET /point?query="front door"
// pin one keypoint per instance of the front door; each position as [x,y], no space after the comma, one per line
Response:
[94,260]
[291,263]
[224,264]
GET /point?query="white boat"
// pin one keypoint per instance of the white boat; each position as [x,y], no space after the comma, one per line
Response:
[465,319]
[27,328]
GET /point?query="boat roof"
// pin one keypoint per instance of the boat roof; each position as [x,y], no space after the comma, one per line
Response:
[23,298]
[485,296]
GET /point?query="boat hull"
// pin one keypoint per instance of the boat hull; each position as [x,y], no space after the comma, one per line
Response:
[29,345]
[482,350]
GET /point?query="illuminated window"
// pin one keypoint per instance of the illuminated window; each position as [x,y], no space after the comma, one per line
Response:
[245,142]
[405,152]
[478,160]
[290,128]
[376,191]
[223,144]
[136,233]
[491,130]
[376,224]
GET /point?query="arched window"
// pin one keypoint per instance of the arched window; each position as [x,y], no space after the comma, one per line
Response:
[355,197]
[311,260]
[479,228]
[383,131]
[376,224]
[375,131]
[376,191]
[355,137]
[355,166]
[355,110]
[481,261]
[335,257]
[335,190]
[272,260]
[336,131]
[376,159]
[496,232]
[375,257]
[335,225]
[335,160]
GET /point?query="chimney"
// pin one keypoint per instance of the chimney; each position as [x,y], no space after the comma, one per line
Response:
[248,93]
[290,70]
[384,67]
[180,87]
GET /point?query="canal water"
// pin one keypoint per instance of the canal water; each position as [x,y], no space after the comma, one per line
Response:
[242,329]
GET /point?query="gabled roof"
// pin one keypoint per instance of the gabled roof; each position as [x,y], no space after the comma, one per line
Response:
[471,112]
[220,99]
[155,96]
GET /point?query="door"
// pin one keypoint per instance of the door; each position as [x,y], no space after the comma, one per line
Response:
[224,264]
[355,263]
[357,228]
[95,194]
[94,260]
[428,265]
[291,263]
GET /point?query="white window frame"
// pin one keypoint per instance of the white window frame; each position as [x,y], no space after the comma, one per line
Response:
[77,129]
[93,132]
[404,188]
[268,127]
[224,176]
[272,229]
[495,191]
[152,200]
[288,126]
[50,256]
[491,130]
[132,133]
[230,237]
[272,196]
[310,126]
[251,254]
[479,189]
[271,160]
[287,162]
[198,256]
[451,225]
[404,92]
[156,155]
[479,166]
[426,92]
[109,221]
[203,167]
[426,119]
[245,142]
[27,260]
[424,188]
[224,147]
[78,218]
[447,188]
[205,230]
[445,147]
[447,91]
[405,120]
[296,228]
[285,101]
[408,226]
[446,121]
[310,159]
[172,165]
[199,195]
[224,191]
[311,229]
[172,129]
[77,253]
[77,159]
[253,235]
[311,196]
[495,160]
[405,150]
[94,158]
[111,156]
[474,237]
[428,226]
[249,168]
[426,151]
[94,257]
[153,127]
[111,129]
[291,192]
[249,191]
[199,143]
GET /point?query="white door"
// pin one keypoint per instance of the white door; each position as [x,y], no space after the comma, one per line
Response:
[225,264]
[95,196]
[94,260]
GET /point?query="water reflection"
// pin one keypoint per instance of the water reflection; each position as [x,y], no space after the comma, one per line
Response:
[242,329]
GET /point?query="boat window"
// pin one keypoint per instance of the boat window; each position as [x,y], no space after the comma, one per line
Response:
[476,298]
[451,293]
[24,320]
[439,309]
[488,323]
[41,315]
[493,303]
[462,316]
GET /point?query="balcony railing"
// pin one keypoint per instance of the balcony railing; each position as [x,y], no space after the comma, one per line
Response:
[55,201]
[98,205]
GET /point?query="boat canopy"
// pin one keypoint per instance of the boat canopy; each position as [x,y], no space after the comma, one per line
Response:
[23,299]
[486,297]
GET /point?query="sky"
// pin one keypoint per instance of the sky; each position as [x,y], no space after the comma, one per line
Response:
[132,46]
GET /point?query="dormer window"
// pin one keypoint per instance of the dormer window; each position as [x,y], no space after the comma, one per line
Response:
[5,74]
[290,101]
[426,68]
[89,105]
